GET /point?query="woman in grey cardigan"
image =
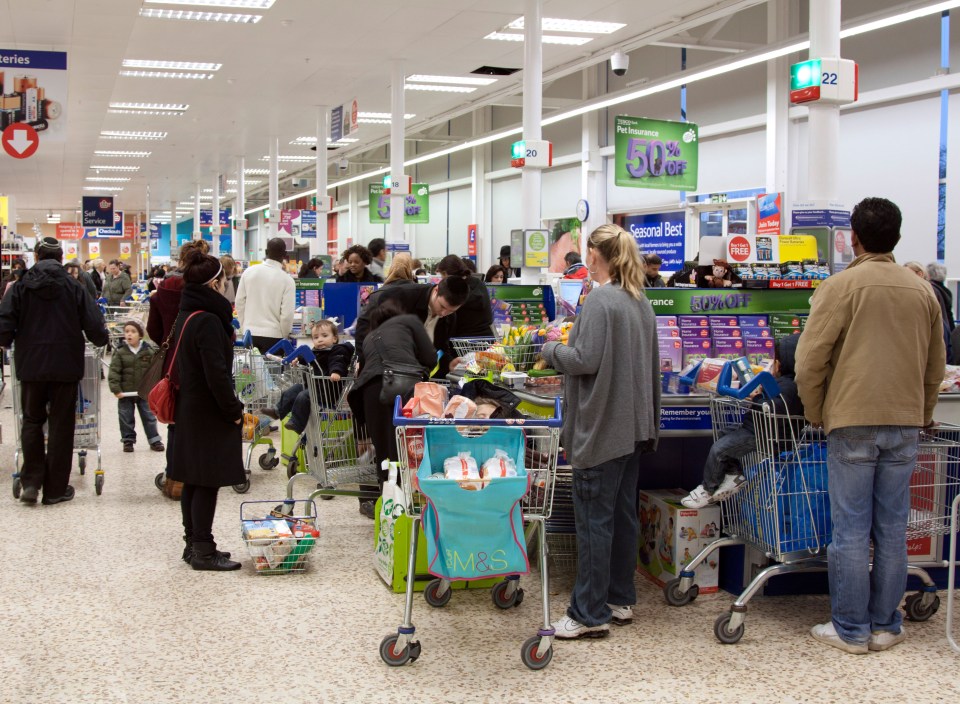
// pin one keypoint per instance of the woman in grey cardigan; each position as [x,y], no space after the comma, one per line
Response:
[612,416]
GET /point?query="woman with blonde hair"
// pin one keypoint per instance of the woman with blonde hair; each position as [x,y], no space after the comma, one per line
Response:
[612,390]
[401,270]
[232,274]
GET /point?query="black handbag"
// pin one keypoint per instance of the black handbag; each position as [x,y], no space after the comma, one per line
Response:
[154,373]
[398,379]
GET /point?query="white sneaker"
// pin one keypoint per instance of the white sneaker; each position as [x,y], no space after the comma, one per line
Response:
[568,629]
[882,640]
[622,615]
[698,498]
[827,634]
[730,485]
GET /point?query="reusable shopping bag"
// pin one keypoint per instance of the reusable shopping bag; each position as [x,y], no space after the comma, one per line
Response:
[392,506]
[473,534]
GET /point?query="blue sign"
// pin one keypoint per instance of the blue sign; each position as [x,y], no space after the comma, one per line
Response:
[336,124]
[820,218]
[32,60]
[116,230]
[685,417]
[97,211]
[663,234]
[206,218]
[308,223]
[154,230]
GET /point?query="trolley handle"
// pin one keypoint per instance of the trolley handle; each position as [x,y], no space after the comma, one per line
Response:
[763,380]
[556,422]
[245,341]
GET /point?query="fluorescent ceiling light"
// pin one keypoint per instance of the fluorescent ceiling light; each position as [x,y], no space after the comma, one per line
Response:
[291,158]
[546,38]
[438,89]
[155,113]
[226,17]
[456,80]
[165,74]
[108,179]
[313,140]
[114,153]
[105,167]
[231,190]
[166,107]
[554,24]
[383,115]
[120,134]
[208,190]
[172,65]
[114,189]
[261,172]
[245,4]
[246,181]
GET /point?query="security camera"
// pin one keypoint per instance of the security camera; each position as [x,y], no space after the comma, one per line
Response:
[343,163]
[619,63]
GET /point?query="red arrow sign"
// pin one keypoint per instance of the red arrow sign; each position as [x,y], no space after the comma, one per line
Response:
[20,140]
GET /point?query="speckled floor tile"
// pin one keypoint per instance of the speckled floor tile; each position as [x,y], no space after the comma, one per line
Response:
[96,606]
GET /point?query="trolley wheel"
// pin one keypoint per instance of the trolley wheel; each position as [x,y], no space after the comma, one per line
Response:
[394,658]
[500,598]
[722,631]
[242,488]
[16,487]
[160,480]
[433,597]
[98,484]
[673,595]
[293,466]
[82,463]
[268,460]
[327,497]
[528,653]
[917,611]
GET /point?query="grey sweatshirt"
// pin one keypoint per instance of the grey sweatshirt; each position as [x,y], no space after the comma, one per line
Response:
[612,378]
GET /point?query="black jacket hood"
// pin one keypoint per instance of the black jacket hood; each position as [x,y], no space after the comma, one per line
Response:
[46,278]
[787,354]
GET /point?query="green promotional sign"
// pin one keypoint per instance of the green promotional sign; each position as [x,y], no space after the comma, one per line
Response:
[416,205]
[656,154]
[686,301]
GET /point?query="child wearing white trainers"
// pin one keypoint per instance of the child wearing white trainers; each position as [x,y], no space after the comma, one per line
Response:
[722,476]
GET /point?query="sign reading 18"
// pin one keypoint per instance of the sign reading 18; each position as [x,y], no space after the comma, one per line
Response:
[654,157]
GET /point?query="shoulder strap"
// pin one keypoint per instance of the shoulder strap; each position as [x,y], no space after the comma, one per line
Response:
[176,349]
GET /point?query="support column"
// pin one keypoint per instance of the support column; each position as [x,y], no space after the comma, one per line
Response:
[270,231]
[146,260]
[593,184]
[173,229]
[318,245]
[238,243]
[197,232]
[351,232]
[396,231]
[478,190]
[215,212]
[531,178]
[824,123]
[778,105]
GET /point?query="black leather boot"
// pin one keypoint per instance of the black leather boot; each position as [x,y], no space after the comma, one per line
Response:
[188,551]
[206,557]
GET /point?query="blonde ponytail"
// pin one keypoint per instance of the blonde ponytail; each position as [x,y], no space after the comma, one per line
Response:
[620,250]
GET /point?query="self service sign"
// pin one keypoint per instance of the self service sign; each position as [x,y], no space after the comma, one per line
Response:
[656,154]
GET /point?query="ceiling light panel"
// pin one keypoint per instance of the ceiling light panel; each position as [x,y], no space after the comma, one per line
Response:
[121,154]
[108,167]
[172,65]
[290,158]
[553,24]
[113,189]
[246,181]
[383,115]
[243,4]
[166,74]
[455,80]
[313,140]
[197,16]
[429,87]
[166,107]
[108,179]
[546,39]
[153,113]
[132,135]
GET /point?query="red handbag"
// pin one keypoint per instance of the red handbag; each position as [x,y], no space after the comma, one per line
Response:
[162,398]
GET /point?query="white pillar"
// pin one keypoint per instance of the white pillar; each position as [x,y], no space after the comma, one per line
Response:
[397,107]
[173,228]
[273,196]
[149,241]
[197,233]
[478,192]
[823,128]
[530,178]
[777,103]
[238,243]
[215,207]
[354,229]
[318,245]
[593,185]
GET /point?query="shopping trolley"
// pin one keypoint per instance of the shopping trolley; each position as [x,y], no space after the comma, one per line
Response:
[86,431]
[540,449]
[952,570]
[490,353]
[116,317]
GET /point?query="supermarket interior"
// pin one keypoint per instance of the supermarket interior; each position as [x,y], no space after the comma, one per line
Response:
[523,399]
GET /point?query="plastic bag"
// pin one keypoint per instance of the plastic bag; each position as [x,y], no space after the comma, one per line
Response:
[432,397]
[500,465]
[460,407]
[463,468]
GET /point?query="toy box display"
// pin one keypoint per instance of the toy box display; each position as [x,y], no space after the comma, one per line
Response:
[671,535]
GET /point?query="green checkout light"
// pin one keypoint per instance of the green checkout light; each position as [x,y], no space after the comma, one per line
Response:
[805,74]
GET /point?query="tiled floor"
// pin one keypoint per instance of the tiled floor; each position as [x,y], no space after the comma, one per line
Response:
[96,606]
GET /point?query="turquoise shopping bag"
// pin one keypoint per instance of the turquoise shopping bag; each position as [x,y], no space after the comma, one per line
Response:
[473,534]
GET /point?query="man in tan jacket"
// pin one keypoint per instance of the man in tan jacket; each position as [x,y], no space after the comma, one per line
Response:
[869,367]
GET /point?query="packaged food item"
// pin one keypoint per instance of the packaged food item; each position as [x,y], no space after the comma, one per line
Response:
[709,374]
[432,397]
[460,407]
[463,468]
[500,465]
[269,542]
[411,408]
[414,441]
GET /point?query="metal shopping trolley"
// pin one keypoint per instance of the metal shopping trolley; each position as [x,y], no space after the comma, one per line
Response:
[492,354]
[539,443]
[86,433]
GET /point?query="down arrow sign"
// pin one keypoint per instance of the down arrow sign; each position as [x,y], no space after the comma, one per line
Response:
[20,140]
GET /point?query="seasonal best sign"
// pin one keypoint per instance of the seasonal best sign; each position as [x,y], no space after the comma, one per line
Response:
[656,154]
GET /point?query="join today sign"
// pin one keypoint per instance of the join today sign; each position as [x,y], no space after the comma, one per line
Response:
[663,234]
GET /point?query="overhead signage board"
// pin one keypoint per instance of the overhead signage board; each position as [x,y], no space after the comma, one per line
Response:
[66,231]
[19,140]
[663,234]
[33,91]
[206,218]
[97,211]
[416,205]
[659,154]
[116,230]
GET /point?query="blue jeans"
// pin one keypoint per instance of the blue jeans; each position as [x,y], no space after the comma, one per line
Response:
[296,402]
[605,512]
[724,456]
[127,407]
[869,480]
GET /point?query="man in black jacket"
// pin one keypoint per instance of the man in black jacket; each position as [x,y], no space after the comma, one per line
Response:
[48,313]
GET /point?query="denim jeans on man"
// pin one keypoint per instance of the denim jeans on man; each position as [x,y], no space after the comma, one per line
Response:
[724,456]
[605,511]
[869,476]
[127,406]
[296,402]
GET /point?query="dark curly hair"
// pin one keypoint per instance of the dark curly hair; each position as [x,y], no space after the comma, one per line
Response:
[361,252]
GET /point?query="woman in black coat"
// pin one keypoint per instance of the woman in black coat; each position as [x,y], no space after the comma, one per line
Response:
[475,317]
[207,446]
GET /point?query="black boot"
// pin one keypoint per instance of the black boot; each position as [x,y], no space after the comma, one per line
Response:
[188,551]
[206,557]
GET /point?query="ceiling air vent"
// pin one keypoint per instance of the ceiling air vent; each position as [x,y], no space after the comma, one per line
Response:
[495,71]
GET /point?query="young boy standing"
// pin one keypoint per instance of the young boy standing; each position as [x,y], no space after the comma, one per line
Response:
[130,361]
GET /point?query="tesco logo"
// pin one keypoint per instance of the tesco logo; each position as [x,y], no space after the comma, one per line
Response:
[739,248]
[104,204]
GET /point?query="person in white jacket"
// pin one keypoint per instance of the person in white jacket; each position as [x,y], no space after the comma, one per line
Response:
[266,298]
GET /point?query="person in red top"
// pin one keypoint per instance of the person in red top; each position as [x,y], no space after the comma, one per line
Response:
[576,269]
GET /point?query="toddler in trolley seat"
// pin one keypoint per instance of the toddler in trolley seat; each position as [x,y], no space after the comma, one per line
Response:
[332,360]
[722,476]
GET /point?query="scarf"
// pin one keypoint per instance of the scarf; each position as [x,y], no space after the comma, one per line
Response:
[198,297]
